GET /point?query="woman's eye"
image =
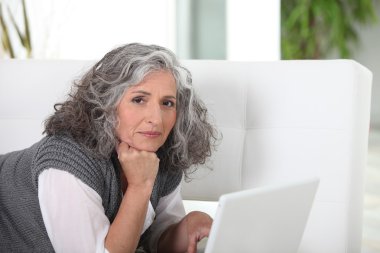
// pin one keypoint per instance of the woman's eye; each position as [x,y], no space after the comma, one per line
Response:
[169,103]
[138,100]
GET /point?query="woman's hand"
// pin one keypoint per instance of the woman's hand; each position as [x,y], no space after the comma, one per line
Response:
[140,170]
[140,167]
[184,236]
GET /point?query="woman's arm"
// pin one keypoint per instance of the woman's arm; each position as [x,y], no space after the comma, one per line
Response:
[184,236]
[72,212]
[124,232]
[140,169]
[169,210]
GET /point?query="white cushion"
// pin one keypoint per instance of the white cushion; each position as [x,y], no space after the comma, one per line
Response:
[289,120]
[280,121]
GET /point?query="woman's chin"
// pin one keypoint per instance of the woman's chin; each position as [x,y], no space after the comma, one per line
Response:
[146,148]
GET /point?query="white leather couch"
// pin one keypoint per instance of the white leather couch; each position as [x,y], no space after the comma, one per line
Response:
[280,121]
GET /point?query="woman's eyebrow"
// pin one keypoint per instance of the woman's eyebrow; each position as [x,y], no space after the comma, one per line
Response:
[148,94]
[141,92]
[169,96]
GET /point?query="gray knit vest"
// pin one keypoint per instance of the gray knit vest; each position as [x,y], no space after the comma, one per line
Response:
[21,225]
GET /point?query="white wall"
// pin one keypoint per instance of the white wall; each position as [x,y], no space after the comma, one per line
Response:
[87,29]
[368,54]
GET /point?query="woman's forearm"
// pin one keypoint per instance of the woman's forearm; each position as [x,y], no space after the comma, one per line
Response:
[124,232]
[184,235]
[171,242]
[139,168]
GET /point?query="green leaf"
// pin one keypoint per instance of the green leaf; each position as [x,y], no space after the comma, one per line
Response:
[13,21]
[6,42]
[28,44]
[313,28]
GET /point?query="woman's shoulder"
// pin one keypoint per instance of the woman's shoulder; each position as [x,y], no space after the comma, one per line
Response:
[64,146]
[64,153]
[58,141]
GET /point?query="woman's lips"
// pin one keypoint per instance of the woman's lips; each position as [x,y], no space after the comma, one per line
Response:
[150,134]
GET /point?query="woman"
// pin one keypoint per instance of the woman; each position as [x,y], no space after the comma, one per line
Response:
[106,178]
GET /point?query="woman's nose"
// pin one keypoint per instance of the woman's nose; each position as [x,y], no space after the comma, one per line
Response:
[154,114]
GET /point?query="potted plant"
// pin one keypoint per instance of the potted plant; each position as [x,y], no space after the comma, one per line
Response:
[311,29]
[24,37]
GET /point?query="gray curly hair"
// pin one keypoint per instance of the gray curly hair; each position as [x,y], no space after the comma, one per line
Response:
[89,114]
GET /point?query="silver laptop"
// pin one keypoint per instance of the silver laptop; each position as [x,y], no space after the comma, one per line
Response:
[268,219]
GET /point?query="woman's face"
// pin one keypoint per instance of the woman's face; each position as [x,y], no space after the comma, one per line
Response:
[147,112]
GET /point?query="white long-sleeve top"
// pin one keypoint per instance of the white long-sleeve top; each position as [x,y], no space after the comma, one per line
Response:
[74,216]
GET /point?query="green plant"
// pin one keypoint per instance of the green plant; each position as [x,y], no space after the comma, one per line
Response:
[24,37]
[311,29]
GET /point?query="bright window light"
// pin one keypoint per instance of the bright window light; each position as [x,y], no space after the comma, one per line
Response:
[253,30]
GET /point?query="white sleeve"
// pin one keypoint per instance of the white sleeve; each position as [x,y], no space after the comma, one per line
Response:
[169,210]
[73,213]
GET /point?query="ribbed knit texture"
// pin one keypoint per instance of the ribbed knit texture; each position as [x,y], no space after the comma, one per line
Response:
[21,224]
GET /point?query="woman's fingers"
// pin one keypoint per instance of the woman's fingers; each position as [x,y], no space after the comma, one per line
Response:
[192,248]
[140,167]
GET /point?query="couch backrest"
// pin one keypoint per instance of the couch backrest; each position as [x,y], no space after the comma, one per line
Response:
[280,121]
[289,120]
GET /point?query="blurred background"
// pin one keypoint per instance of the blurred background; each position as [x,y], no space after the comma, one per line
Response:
[237,30]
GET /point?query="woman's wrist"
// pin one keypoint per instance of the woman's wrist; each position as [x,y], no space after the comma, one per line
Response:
[142,189]
[125,230]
